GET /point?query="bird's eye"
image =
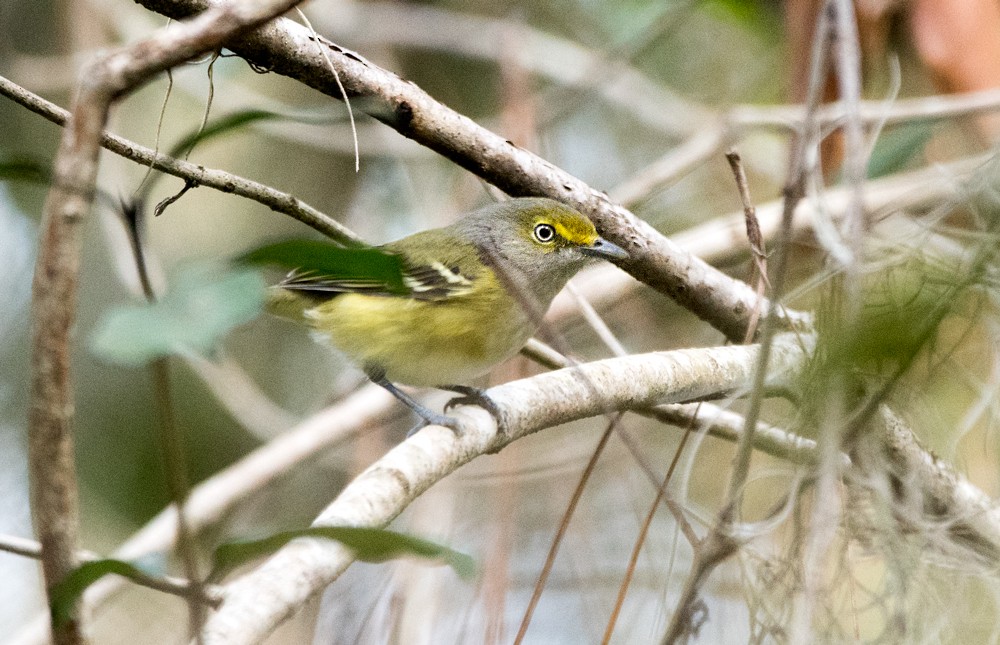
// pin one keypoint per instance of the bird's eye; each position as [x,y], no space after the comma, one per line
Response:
[545,233]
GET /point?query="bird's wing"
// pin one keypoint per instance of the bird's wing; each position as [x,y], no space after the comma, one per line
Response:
[429,282]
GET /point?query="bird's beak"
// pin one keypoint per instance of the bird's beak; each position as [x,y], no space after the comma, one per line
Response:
[601,248]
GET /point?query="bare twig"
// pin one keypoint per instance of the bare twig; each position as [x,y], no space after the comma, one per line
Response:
[171,439]
[53,475]
[758,252]
[175,467]
[241,397]
[720,543]
[210,594]
[670,167]
[923,108]
[557,539]
[192,173]
[661,495]
[833,408]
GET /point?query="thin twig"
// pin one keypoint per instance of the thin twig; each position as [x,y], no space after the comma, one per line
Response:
[661,494]
[719,544]
[671,167]
[193,173]
[171,441]
[51,452]
[758,252]
[833,408]
[557,539]
[907,110]
[201,593]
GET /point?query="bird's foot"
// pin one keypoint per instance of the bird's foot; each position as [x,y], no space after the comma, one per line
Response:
[431,418]
[475,396]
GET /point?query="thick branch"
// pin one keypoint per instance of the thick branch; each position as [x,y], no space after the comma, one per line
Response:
[258,602]
[289,49]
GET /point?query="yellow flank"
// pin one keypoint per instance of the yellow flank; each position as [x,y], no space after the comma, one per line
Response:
[452,348]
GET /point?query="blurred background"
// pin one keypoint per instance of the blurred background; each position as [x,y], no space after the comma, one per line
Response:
[629,96]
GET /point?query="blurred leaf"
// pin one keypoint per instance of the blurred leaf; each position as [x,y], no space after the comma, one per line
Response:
[368,545]
[756,17]
[24,169]
[333,262]
[67,592]
[203,305]
[224,125]
[897,147]
[904,305]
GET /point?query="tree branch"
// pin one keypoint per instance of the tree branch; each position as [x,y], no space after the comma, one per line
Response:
[167,584]
[258,602]
[192,173]
[288,48]
[50,445]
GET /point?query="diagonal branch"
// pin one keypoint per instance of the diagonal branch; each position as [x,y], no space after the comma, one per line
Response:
[191,173]
[288,48]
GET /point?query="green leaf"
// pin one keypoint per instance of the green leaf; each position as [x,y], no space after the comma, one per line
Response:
[24,169]
[203,305]
[66,593]
[369,545]
[896,148]
[224,125]
[333,262]
[756,17]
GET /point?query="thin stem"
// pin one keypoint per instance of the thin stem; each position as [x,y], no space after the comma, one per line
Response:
[194,174]
[204,594]
[644,531]
[557,539]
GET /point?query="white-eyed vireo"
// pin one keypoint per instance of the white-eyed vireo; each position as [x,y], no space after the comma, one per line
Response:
[476,291]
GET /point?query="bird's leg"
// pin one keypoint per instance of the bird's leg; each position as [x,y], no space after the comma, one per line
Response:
[430,417]
[475,396]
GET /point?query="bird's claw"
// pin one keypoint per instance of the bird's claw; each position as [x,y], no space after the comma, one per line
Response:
[475,396]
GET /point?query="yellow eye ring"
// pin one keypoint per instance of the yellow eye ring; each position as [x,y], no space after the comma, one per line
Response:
[545,233]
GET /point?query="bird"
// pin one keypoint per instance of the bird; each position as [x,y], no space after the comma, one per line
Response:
[473,293]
